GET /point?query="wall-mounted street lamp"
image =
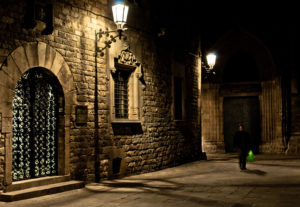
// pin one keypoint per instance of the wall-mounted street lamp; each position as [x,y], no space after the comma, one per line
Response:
[210,63]
[120,12]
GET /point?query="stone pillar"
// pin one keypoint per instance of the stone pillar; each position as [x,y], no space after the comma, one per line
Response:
[212,141]
[271,115]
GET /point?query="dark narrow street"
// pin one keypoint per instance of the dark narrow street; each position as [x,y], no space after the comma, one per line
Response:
[149,103]
[269,181]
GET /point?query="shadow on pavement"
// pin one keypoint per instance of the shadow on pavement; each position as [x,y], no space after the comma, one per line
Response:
[174,191]
[218,159]
[241,205]
[141,185]
[257,172]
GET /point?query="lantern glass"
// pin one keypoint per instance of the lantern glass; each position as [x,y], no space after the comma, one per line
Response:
[120,11]
[211,60]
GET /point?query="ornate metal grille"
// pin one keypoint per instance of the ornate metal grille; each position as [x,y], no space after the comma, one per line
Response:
[121,94]
[34,127]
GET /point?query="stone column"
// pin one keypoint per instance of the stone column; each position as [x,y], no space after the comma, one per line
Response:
[210,115]
[271,115]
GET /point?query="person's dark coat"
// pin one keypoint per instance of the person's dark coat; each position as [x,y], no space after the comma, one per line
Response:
[242,140]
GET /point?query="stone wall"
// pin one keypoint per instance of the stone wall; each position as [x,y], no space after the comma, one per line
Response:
[160,142]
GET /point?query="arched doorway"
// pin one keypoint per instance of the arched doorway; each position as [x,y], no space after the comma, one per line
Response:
[241,104]
[36,101]
[245,68]
[40,57]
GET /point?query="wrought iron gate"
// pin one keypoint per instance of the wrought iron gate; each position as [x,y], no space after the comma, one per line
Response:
[34,149]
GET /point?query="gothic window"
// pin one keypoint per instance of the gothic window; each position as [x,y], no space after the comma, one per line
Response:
[121,94]
[39,11]
[125,88]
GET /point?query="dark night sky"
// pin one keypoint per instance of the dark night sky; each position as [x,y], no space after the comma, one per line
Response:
[212,19]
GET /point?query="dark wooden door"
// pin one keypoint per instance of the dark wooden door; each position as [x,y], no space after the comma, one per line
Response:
[243,110]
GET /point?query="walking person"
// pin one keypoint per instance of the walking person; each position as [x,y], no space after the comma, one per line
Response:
[242,142]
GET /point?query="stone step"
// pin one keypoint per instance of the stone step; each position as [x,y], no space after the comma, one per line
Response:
[41,191]
[21,185]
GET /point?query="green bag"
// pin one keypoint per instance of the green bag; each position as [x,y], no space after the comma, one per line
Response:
[251,156]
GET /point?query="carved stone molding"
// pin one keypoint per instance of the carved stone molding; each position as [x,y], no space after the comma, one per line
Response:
[126,61]
[127,58]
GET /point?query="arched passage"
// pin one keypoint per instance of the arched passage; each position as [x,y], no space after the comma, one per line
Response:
[241,71]
[245,72]
[43,58]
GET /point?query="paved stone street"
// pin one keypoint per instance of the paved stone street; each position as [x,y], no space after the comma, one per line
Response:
[269,181]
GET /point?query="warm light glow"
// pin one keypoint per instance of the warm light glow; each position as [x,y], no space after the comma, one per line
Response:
[120,11]
[211,60]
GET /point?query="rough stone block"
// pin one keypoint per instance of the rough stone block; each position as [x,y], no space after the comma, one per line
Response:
[31,54]
[19,57]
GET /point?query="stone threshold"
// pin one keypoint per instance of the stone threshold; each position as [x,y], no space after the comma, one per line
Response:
[36,182]
[41,190]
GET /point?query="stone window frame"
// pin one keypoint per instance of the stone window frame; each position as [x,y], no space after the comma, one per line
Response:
[134,87]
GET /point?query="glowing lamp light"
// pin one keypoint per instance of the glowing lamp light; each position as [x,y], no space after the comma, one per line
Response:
[211,60]
[120,11]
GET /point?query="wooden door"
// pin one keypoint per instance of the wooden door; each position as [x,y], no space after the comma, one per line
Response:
[243,110]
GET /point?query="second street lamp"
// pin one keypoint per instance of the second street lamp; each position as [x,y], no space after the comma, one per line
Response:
[211,60]
[209,64]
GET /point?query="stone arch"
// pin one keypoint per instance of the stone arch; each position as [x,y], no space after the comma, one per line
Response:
[241,67]
[240,40]
[25,57]
[267,89]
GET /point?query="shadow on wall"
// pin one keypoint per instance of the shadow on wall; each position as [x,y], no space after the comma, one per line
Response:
[80,172]
[127,128]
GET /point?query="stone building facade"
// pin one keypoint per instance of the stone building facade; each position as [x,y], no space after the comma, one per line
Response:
[256,85]
[91,142]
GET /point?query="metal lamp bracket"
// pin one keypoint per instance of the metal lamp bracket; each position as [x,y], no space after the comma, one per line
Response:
[112,38]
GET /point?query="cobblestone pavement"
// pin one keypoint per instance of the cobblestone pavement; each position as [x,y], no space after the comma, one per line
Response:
[269,181]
